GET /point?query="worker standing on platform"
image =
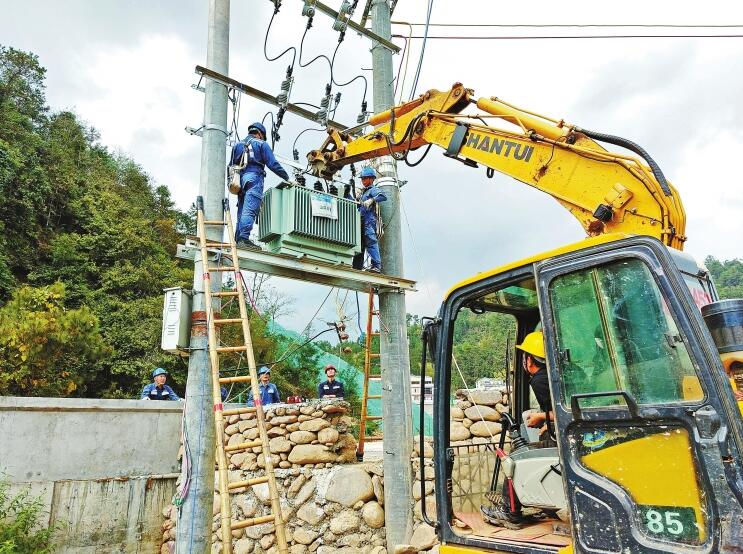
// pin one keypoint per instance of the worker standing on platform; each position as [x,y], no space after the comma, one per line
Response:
[368,197]
[158,390]
[269,392]
[252,155]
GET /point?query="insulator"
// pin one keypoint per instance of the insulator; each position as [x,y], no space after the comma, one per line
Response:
[282,98]
[295,155]
[286,85]
[361,118]
[341,326]
[343,336]
[302,180]
[321,116]
[332,189]
[325,102]
[308,10]
[318,186]
[337,98]
[345,7]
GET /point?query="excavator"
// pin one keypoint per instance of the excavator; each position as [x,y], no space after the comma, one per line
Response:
[644,437]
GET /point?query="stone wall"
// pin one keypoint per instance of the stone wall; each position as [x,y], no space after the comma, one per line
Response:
[329,506]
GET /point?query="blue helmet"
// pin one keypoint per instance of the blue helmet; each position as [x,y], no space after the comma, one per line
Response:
[257,126]
[368,172]
[159,371]
[262,370]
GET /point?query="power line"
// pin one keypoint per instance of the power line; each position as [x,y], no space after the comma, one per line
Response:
[558,37]
[572,25]
[423,50]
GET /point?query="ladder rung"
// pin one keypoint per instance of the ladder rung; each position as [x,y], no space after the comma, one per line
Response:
[374,355]
[228,320]
[373,438]
[251,522]
[373,417]
[226,293]
[232,348]
[238,379]
[221,268]
[243,445]
[214,222]
[248,483]
[372,397]
[218,244]
[238,411]
[375,333]
[375,312]
[375,376]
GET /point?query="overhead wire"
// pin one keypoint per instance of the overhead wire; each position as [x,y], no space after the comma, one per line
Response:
[423,50]
[265,41]
[558,37]
[577,25]
[332,76]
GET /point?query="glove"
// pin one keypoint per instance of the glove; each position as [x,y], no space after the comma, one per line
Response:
[368,203]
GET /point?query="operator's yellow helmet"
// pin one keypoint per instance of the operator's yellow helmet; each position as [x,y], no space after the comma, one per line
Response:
[533,344]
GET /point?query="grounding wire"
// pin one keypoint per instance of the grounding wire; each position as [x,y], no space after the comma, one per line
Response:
[423,50]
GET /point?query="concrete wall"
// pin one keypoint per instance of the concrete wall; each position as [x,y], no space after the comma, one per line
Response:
[105,469]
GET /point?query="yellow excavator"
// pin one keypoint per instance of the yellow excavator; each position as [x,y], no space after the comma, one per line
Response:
[644,436]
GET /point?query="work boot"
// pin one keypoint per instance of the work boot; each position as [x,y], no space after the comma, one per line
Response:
[244,243]
[496,515]
[374,270]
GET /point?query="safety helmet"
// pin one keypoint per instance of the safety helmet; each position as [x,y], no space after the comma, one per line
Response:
[328,367]
[368,172]
[533,344]
[262,370]
[159,371]
[257,126]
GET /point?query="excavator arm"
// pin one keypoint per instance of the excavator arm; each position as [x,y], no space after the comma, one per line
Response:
[606,192]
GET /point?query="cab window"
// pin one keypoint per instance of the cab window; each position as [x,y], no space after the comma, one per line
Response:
[615,332]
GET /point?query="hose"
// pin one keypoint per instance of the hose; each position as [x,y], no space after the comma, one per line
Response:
[637,149]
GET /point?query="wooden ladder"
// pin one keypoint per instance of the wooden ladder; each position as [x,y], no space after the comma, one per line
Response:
[213,324]
[372,372]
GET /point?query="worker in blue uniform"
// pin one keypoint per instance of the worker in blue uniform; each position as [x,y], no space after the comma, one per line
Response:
[252,155]
[269,392]
[330,388]
[158,390]
[368,197]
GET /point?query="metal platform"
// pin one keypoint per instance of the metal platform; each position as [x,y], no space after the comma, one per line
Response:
[304,269]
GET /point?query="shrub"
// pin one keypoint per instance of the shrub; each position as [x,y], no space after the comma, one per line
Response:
[20,530]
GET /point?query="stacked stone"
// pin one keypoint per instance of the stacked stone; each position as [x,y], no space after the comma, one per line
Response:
[475,416]
[424,536]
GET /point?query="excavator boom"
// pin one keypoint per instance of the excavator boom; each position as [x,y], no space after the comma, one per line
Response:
[606,192]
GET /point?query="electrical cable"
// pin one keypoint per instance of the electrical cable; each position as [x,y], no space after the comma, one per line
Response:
[423,50]
[403,57]
[265,42]
[294,145]
[301,46]
[332,77]
[263,119]
[358,315]
[557,37]
[569,25]
[305,343]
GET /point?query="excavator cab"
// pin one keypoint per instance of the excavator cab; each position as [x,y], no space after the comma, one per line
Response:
[643,447]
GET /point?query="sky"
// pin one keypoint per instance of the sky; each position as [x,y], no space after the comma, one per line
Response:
[126,68]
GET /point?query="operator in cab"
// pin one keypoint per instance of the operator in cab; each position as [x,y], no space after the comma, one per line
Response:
[250,157]
[330,388]
[268,391]
[158,390]
[368,198]
[534,363]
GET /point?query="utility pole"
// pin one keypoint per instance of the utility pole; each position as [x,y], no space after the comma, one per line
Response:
[396,401]
[195,522]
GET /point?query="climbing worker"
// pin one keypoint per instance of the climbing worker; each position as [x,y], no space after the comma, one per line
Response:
[269,392]
[368,197]
[251,156]
[158,390]
[330,388]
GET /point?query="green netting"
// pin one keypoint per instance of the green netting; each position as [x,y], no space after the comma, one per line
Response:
[347,372]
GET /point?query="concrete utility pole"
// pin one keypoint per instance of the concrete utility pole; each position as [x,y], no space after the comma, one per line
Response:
[195,523]
[396,401]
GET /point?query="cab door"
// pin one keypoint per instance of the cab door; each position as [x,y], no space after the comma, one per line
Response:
[648,447]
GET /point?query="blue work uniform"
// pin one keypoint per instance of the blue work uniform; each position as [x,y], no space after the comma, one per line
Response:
[369,241]
[259,155]
[153,392]
[334,388]
[269,394]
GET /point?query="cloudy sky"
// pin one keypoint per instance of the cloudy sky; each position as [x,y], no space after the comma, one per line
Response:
[126,67]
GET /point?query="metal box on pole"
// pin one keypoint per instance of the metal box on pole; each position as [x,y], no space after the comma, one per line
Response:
[176,332]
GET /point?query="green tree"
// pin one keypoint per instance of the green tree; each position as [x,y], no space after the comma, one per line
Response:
[727,275]
[45,349]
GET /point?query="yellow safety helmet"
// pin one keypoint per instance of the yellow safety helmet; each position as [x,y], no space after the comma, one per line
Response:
[533,344]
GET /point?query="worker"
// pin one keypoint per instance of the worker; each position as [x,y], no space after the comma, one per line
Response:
[158,390]
[534,363]
[330,388]
[508,511]
[368,197]
[268,391]
[251,156]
